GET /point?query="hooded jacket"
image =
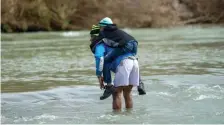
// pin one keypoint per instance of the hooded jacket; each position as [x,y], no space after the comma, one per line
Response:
[111,32]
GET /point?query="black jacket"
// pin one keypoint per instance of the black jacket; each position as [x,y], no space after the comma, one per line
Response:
[113,33]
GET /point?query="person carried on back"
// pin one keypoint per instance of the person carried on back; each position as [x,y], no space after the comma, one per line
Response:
[126,71]
[121,42]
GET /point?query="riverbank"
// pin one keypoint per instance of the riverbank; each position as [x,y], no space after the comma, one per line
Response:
[57,15]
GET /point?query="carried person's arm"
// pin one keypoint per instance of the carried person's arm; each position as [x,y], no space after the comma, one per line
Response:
[99,59]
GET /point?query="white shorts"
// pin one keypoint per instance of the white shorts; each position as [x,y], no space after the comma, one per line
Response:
[127,73]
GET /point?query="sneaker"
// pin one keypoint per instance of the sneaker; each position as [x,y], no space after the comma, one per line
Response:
[141,88]
[107,92]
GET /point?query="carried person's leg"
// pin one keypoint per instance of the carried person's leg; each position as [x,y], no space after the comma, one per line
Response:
[141,87]
[107,79]
[113,54]
[107,74]
[130,47]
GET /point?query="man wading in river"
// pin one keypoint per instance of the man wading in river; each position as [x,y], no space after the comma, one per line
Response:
[121,48]
[125,67]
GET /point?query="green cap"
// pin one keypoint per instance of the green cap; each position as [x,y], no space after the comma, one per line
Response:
[95,30]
